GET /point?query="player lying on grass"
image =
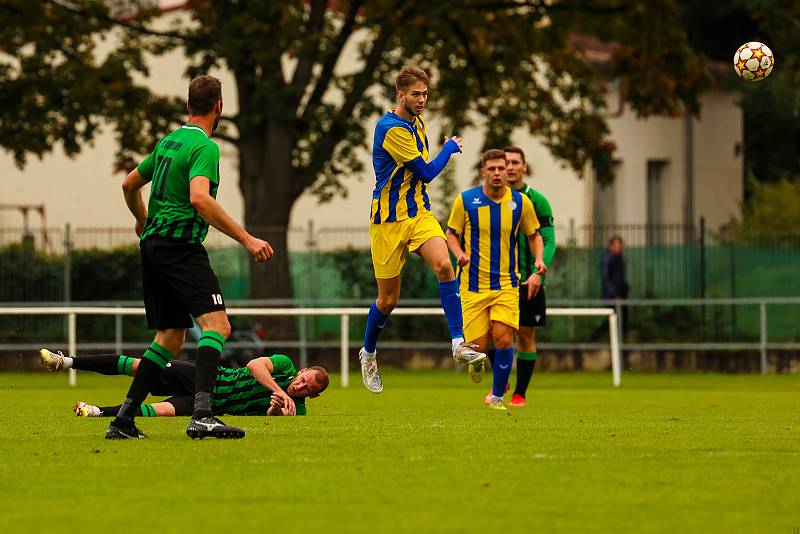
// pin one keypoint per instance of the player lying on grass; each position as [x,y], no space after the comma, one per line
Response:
[267,386]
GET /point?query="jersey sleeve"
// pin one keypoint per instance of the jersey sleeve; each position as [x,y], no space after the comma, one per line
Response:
[282,365]
[457,219]
[300,407]
[528,223]
[400,144]
[147,166]
[204,161]
[543,210]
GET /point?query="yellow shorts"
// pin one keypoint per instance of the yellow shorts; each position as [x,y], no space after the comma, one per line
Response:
[480,309]
[390,242]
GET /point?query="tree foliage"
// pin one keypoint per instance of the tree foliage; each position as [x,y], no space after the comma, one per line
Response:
[771,213]
[304,113]
[771,109]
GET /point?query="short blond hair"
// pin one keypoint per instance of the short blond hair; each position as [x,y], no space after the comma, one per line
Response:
[408,75]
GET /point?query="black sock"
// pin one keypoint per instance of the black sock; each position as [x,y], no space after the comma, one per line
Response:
[490,355]
[209,349]
[105,364]
[524,374]
[146,377]
[112,411]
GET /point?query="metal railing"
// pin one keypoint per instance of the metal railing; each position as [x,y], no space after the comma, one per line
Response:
[344,313]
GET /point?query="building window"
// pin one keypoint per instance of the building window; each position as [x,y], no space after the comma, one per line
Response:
[656,171]
[604,207]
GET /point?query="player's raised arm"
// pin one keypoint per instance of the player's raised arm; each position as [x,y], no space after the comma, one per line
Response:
[401,144]
[261,369]
[429,171]
[214,214]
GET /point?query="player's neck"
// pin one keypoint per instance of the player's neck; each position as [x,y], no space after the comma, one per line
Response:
[495,193]
[203,121]
[403,114]
[519,186]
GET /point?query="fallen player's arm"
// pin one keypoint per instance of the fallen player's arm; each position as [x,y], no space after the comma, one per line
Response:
[277,407]
[261,369]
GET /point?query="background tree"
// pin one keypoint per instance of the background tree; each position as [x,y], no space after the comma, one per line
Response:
[302,115]
[771,109]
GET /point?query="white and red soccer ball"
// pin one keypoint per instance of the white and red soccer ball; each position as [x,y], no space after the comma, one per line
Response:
[753,61]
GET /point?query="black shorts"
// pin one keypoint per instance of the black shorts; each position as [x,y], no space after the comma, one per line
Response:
[177,381]
[532,312]
[183,404]
[178,283]
[178,378]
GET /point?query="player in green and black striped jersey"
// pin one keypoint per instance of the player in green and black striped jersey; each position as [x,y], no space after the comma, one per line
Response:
[177,280]
[266,386]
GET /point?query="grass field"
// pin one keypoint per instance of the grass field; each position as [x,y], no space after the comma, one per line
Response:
[664,453]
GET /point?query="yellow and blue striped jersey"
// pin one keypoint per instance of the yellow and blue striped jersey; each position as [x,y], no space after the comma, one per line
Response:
[489,231]
[399,194]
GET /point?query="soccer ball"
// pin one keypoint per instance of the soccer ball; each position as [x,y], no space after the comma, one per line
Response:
[753,61]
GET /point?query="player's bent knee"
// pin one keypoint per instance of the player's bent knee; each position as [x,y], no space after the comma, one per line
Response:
[444,270]
[387,303]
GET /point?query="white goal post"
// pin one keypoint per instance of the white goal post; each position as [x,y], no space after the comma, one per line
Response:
[344,314]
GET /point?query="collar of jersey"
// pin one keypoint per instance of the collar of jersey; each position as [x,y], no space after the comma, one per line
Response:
[507,196]
[194,127]
[412,122]
[524,188]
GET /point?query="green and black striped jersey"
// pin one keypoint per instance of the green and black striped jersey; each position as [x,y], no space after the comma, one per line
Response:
[238,393]
[182,155]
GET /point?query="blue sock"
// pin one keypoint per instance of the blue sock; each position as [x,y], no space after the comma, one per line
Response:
[451,304]
[501,371]
[375,323]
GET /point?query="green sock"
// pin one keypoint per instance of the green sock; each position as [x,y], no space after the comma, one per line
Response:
[158,355]
[148,410]
[125,365]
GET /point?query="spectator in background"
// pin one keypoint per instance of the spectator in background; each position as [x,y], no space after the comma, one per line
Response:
[614,285]
[612,271]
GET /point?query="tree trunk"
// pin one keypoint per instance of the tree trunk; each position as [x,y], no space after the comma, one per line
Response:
[266,181]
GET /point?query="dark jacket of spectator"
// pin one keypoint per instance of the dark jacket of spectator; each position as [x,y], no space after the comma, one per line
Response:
[615,286]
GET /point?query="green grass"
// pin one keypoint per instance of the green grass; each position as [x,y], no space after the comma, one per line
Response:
[663,453]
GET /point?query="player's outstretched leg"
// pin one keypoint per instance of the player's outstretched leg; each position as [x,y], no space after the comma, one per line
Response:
[370,374]
[376,321]
[52,361]
[82,409]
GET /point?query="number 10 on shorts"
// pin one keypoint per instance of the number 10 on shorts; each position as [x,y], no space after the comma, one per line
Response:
[216,298]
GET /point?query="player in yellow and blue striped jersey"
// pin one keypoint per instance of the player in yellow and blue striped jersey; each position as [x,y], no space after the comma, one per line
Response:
[485,224]
[401,220]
